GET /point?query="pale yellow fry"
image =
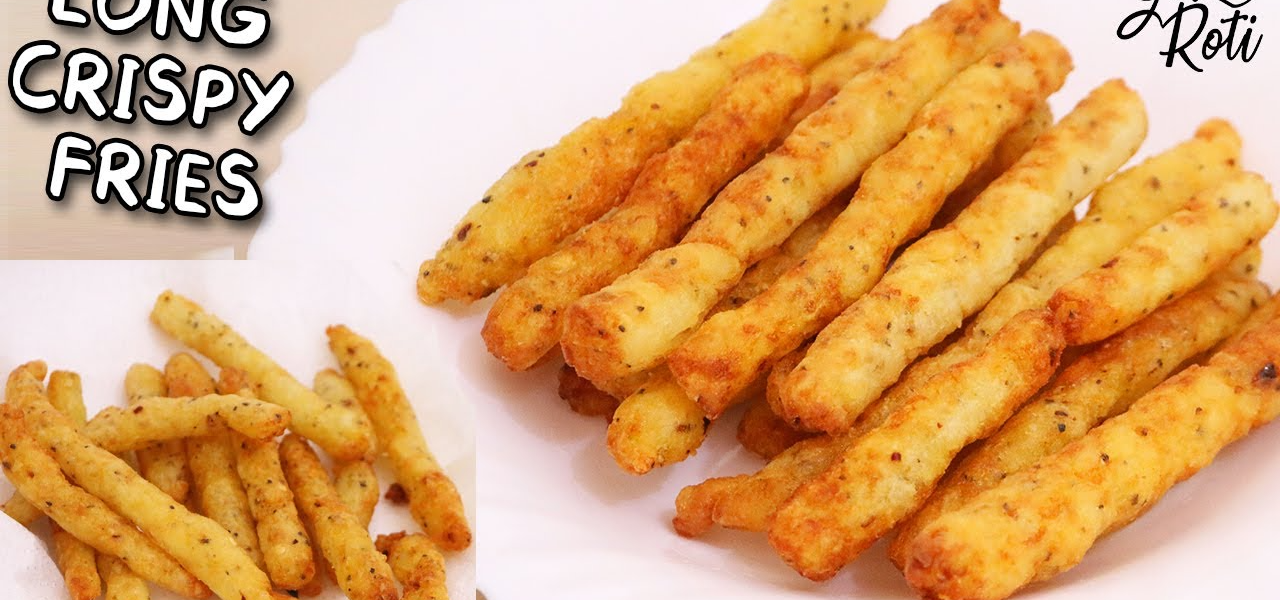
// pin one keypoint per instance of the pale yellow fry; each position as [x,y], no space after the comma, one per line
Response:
[829,76]
[1040,521]
[951,273]
[212,461]
[344,434]
[656,426]
[896,200]
[162,463]
[150,420]
[551,193]
[17,507]
[759,209]
[120,582]
[525,321]
[65,395]
[417,563]
[360,570]
[1120,211]
[1169,259]
[357,487]
[1100,384]
[433,500]
[75,559]
[888,473]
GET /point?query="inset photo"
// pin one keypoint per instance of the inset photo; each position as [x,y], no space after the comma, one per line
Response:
[253,430]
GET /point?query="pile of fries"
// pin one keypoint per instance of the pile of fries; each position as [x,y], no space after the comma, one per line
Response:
[873,246]
[188,486]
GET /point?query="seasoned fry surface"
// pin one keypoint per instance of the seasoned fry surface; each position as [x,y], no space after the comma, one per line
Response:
[656,426]
[164,464]
[417,564]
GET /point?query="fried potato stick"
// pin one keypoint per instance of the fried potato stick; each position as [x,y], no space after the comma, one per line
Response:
[286,547]
[829,76]
[417,563]
[764,433]
[1120,211]
[355,481]
[1096,386]
[1168,260]
[121,582]
[583,397]
[552,193]
[433,500]
[162,463]
[360,570]
[151,420]
[212,461]
[344,434]
[17,507]
[76,560]
[951,273]
[525,322]
[1040,521]
[888,473]
[756,212]
[896,200]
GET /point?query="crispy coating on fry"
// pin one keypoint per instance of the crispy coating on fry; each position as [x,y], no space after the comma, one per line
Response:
[433,500]
[1096,386]
[1040,521]
[212,460]
[554,192]
[64,393]
[623,329]
[163,463]
[1120,211]
[78,563]
[583,397]
[888,473]
[525,322]
[357,487]
[150,420]
[951,273]
[764,433]
[30,426]
[360,570]
[120,582]
[343,433]
[895,201]
[655,426]
[417,564]
[829,76]
[1168,260]
[17,507]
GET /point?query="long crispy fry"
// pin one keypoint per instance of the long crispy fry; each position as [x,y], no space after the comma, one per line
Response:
[212,461]
[150,420]
[360,570]
[525,322]
[829,76]
[344,434]
[951,273]
[75,559]
[286,548]
[1120,211]
[896,200]
[417,563]
[1168,260]
[64,392]
[120,582]
[17,507]
[1099,384]
[357,487]
[655,426]
[554,192]
[1040,521]
[433,499]
[764,433]
[827,153]
[888,473]
[90,519]
[162,463]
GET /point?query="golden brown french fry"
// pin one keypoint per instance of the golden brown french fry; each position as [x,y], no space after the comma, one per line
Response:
[1168,260]
[1120,211]
[525,321]
[150,420]
[417,563]
[759,209]
[17,507]
[162,463]
[1096,386]
[360,570]
[888,473]
[357,487]
[344,434]
[78,563]
[552,193]
[120,583]
[951,273]
[829,76]
[656,426]
[583,397]
[433,500]
[896,200]
[1040,521]
[764,433]
[64,392]
[212,461]
[29,424]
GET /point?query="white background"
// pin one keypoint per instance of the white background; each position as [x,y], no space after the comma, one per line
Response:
[439,103]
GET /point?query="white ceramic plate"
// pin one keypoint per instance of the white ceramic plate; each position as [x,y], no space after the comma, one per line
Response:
[433,107]
[92,318]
